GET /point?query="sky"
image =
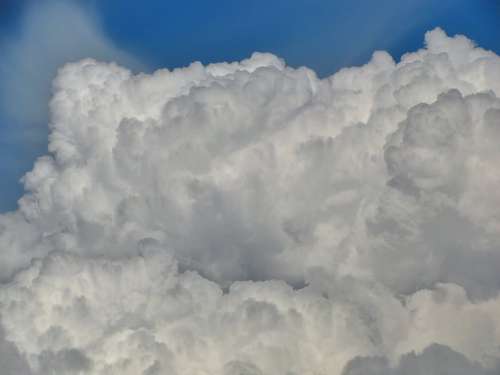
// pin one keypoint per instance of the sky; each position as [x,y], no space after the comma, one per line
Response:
[258,188]
[37,37]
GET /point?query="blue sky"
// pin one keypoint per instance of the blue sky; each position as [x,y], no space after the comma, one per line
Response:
[37,36]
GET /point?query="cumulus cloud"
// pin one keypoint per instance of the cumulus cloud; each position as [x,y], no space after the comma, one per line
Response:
[434,360]
[250,218]
[49,33]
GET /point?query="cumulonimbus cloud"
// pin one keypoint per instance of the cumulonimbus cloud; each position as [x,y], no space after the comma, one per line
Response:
[250,218]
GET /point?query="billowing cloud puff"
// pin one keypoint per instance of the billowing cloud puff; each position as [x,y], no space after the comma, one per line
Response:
[250,218]
[436,359]
[140,315]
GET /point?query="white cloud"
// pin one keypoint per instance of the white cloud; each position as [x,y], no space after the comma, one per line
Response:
[434,360]
[164,231]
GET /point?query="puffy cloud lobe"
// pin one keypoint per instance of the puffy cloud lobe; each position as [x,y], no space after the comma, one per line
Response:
[442,203]
[250,218]
[436,359]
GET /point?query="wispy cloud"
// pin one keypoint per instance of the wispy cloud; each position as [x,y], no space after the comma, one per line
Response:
[51,34]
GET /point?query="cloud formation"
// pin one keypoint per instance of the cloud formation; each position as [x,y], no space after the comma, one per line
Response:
[50,33]
[250,218]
